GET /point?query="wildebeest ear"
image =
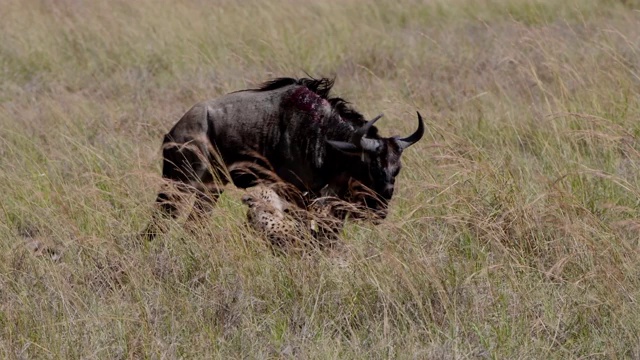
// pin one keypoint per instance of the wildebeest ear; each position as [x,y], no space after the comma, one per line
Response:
[248,200]
[345,147]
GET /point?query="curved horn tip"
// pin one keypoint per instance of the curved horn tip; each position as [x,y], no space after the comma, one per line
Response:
[416,136]
[376,118]
[364,129]
[370,123]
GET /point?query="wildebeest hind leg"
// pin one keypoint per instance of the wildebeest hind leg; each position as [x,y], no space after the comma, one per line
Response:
[186,166]
[168,201]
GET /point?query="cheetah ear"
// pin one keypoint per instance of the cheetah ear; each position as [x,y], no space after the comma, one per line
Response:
[248,200]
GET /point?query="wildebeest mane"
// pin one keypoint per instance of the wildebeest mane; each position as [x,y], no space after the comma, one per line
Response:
[322,87]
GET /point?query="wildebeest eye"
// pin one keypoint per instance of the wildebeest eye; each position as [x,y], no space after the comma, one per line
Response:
[396,172]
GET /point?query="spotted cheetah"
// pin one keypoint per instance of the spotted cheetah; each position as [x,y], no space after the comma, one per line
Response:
[285,224]
[267,214]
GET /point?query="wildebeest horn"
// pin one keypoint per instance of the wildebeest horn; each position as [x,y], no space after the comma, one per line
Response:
[358,140]
[344,146]
[413,138]
[364,129]
[370,145]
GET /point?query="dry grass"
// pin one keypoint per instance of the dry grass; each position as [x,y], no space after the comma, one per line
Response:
[514,233]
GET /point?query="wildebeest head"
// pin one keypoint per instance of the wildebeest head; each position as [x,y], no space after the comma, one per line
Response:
[380,157]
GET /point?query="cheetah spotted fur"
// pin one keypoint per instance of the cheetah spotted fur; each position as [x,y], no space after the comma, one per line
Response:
[284,224]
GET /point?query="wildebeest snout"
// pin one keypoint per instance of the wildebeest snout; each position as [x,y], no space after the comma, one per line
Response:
[387,193]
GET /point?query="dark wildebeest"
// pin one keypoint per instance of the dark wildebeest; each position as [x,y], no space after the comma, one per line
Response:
[318,143]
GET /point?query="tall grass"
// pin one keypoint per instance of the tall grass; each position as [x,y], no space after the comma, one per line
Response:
[514,232]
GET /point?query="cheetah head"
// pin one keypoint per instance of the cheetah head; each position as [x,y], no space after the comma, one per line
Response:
[265,197]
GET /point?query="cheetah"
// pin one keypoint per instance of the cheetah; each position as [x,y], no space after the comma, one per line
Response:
[285,224]
[267,215]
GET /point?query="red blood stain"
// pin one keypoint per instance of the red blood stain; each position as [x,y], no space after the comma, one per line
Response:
[308,101]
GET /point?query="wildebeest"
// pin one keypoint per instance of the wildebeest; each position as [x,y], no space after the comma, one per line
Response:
[318,143]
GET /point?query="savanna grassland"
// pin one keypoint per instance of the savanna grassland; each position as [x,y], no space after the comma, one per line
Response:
[514,231]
